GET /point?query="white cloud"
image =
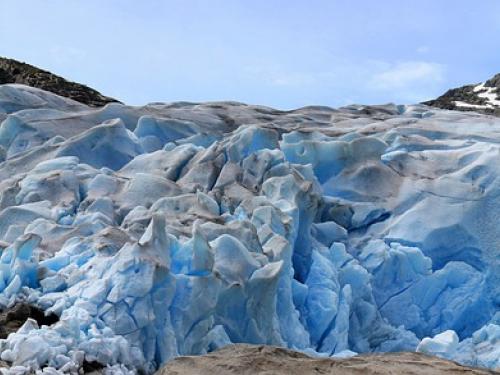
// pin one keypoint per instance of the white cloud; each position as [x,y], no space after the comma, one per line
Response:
[349,81]
[281,75]
[63,55]
[423,49]
[294,79]
[407,75]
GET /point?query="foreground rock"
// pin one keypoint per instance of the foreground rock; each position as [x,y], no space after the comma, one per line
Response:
[260,360]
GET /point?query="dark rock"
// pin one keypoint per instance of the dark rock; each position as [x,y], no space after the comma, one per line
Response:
[13,71]
[466,94]
[13,318]
[92,367]
[493,82]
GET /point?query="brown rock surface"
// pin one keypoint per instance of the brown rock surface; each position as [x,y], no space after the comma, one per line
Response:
[266,360]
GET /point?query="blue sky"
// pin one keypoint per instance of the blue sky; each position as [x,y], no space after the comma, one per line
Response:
[279,53]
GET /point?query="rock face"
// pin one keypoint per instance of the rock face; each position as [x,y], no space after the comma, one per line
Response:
[264,360]
[12,71]
[483,98]
[177,229]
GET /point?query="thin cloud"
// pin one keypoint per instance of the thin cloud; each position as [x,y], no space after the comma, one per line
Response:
[278,75]
[64,54]
[408,74]
[423,49]
[351,81]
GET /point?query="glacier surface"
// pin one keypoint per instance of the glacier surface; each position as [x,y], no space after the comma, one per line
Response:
[174,229]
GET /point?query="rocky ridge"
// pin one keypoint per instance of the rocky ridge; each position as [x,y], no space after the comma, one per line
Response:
[13,71]
[483,97]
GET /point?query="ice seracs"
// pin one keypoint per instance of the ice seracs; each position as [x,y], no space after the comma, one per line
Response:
[176,229]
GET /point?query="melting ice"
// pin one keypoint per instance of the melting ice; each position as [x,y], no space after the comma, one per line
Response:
[174,229]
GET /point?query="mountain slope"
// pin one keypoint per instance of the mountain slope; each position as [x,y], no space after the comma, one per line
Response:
[483,97]
[13,71]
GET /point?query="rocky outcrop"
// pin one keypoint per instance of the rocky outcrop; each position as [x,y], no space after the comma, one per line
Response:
[14,317]
[247,359]
[13,71]
[483,97]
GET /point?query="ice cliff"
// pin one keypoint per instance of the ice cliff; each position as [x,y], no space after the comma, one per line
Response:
[173,229]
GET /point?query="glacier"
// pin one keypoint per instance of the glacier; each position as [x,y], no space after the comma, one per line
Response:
[178,228]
